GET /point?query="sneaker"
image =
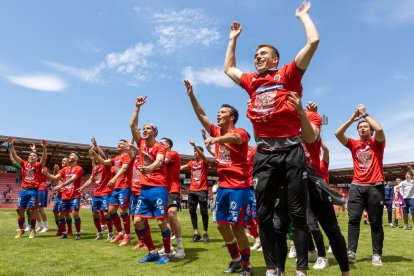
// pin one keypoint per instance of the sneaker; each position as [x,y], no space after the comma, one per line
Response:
[125,240]
[268,273]
[44,230]
[180,253]
[104,227]
[257,244]
[365,221]
[40,228]
[312,256]
[246,271]
[329,249]
[206,238]
[19,233]
[150,258]
[32,234]
[99,236]
[196,238]
[390,224]
[117,238]
[233,267]
[260,249]
[321,263]
[172,236]
[140,245]
[63,236]
[162,250]
[27,229]
[110,237]
[351,257]
[298,273]
[166,258]
[376,260]
[292,252]
[77,236]
[405,227]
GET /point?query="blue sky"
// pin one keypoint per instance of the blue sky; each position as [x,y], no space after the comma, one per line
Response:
[70,70]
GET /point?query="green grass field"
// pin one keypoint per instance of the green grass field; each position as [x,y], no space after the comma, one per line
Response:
[47,255]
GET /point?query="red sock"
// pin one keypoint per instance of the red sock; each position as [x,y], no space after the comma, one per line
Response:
[252,227]
[20,221]
[97,224]
[78,224]
[145,236]
[62,226]
[69,223]
[102,219]
[33,224]
[117,222]
[233,249]
[127,223]
[110,225]
[166,240]
[245,256]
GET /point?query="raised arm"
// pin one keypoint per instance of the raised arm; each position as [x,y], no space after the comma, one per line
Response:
[309,131]
[13,150]
[98,158]
[209,148]
[340,132]
[134,119]
[68,182]
[305,55]
[231,138]
[97,147]
[53,177]
[325,154]
[86,184]
[201,115]
[379,132]
[199,152]
[44,153]
[230,57]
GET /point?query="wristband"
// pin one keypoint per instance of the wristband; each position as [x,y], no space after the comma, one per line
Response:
[365,115]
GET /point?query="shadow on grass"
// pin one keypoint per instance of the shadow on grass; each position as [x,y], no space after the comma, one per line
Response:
[390,259]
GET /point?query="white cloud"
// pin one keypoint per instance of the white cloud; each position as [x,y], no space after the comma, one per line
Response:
[389,12]
[88,75]
[42,82]
[88,46]
[130,59]
[214,76]
[179,29]
[137,8]
[400,77]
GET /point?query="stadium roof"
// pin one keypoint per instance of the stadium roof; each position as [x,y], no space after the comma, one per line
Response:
[57,150]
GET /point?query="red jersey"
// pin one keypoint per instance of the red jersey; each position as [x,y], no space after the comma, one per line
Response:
[136,175]
[62,173]
[270,112]
[31,174]
[125,180]
[173,172]
[70,191]
[231,159]
[43,183]
[313,150]
[199,173]
[367,157]
[101,174]
[251,152]
[325,170]
[147,156]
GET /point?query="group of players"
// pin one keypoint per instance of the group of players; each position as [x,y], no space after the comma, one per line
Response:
[287,180]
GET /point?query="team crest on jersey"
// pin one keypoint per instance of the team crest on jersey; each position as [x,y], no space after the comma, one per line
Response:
[233,205]
[159,201]
[277,78]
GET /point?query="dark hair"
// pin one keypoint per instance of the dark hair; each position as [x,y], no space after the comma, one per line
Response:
[248,135]
[365,121]
[233,111]
[77,154]
[123,140]
[169,141]
[275,51]
[200,148]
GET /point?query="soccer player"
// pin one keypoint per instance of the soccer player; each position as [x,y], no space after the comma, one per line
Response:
[198,191]
[153,200]
[279,159]
[121,195]
[320,203]
[172,162]
[31,178]
[100,176]
[367,187]
[407,191]
[231,145]
[70,201]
